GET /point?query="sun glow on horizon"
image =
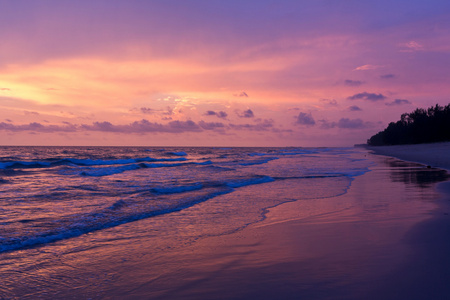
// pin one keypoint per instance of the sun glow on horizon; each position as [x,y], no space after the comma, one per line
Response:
[293,73]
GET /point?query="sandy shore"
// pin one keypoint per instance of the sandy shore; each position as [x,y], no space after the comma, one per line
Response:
[435,155]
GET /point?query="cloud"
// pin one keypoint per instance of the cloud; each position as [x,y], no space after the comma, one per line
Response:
[367,67]
[5,89]
[140,127]
[351,123]
[211,125]
[354,108]
[305,119]
[246,114]
[169,111]
[146,110]
[181,126]
[210,113]
[26,112]
[264,125]
[330,102]
[411,46]
[398,102]
[144,126]
[345,123]
[219,114]
[387,76]
[37,127]
[367,96]
[242,94]
[222,114]
[350,82]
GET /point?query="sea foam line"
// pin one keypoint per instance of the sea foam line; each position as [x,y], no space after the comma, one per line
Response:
[111,217]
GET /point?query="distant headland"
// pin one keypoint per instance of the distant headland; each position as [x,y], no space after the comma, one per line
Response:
[430,125]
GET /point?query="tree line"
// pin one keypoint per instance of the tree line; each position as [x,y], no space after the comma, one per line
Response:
[420,126]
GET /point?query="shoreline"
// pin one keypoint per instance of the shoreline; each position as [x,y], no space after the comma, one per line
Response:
[434,155]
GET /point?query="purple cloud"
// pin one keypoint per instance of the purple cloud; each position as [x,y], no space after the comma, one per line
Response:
[101,126]
[351,123]
[147,110]
[387,76]
[305,119]
[181,126]
[345,123]
[144,126]
[264,125]
[330,102]
[220,114]
[169,111]
[398,102]
[350,82]
[246,114]
[354,108]
[211,125]
[26,112]
[141,127]
[210,113]
[367,96]
[38,127]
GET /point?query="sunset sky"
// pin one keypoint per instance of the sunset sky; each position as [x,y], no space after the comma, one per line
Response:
[217,73]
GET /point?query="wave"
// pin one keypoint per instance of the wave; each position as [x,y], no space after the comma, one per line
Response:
[106,171]
[249,181]
[4,181]
[81,162]
[177,189]
[128,210]
[230,183]
[284,152]
[180,153]
[256,161]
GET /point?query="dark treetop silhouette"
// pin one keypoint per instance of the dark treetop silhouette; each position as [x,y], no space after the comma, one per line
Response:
[420,126]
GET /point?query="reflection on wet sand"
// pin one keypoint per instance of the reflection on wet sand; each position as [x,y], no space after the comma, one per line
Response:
[414,173]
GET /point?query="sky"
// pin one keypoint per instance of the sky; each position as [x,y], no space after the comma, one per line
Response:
[217,73]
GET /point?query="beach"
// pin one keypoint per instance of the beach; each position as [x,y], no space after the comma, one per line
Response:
[434,155]
[382,233]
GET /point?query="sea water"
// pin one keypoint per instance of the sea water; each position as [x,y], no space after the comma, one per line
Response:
[49,194]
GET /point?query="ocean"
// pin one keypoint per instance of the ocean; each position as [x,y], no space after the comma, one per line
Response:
[210,223]
[55,193]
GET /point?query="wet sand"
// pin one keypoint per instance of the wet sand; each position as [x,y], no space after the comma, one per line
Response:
[435,155]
